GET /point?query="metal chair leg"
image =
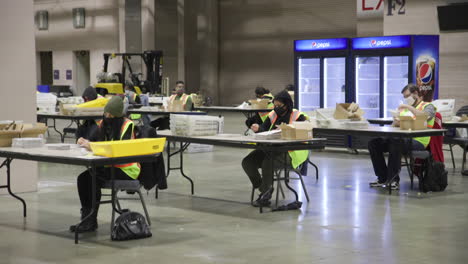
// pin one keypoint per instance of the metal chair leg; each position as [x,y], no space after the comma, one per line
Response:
[280,187]
[464,158]
[304,187]
[451,154]
[144,207]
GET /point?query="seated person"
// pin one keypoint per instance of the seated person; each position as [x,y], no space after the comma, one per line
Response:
[132,99]
[113,127]
[258,159]
[260,117]
[89,126]
[187,104]
[395,147]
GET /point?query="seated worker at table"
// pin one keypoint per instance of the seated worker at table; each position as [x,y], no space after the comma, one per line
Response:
[283,113]
[89,126]
[260,117]
[113,127]
[395,147]
[132,98]
[180,95]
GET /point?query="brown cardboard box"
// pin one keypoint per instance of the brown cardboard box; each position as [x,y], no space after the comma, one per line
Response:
[259,103]
[30,130]
[463,118]
[348,111]
[176,106]
[419,122]
[296,130]
[67,109]
[8,132]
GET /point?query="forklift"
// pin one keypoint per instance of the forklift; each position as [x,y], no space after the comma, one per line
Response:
[114,83]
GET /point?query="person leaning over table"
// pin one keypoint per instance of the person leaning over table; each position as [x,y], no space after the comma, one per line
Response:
[258,159]
[89,126]
[112,127]
[162,123]
[395,147]
[260,117]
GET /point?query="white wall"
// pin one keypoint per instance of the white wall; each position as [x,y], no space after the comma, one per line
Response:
[18,75]
[421,18]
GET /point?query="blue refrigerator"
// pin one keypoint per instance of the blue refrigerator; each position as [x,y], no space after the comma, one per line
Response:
[321,72]
[383,65]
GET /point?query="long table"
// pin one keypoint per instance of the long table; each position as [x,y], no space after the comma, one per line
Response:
[445,124]
[238,141]
[74,156]
[73,119]
[385,132]
[163,113]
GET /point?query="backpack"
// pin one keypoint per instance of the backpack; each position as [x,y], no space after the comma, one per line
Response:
[434,178]
[152,173]
[130,225]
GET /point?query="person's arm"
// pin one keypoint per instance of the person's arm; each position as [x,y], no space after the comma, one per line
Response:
[411,109]
[265,126]
[189,104]
[301,118]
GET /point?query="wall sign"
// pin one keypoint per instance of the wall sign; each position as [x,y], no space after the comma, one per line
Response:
[56,75]
[396,7]
[370,8]
[68,74]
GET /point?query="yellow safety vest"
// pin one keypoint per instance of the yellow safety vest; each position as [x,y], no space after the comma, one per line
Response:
[184,99]
[131,169]
[264,115]
[297,156]
[430,123]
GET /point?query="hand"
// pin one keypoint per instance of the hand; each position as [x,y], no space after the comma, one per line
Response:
[84,143]
[255,127]
[403,107]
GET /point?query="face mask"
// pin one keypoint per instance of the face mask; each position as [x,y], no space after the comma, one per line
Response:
[279,111]
[409,100]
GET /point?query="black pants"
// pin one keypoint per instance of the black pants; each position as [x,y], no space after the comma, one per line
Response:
[258,159]
[395,148]
[161,123]
[85,186]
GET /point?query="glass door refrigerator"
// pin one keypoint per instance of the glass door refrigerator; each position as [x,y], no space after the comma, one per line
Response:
[320,73]
[382,66]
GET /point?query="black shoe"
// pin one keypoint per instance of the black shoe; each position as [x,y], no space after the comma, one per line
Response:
[264,198]
[376,184]
[89,225]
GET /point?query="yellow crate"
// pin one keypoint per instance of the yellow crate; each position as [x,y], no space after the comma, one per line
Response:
[101,102]
[125,148]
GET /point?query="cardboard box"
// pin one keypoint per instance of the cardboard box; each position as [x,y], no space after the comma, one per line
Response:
[30,130]
[296,130]
[348,111]
[8,132]
[259,103]
[418,122]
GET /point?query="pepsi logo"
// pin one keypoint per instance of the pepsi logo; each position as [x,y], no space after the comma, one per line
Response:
[314,44]
[425,73]
[373,42]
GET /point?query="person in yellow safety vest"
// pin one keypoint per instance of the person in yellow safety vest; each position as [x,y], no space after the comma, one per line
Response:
[395,147]
[88,126]
[114,126]
[163,122]
[132,98]
[181,95]
[283,113]
[260,117]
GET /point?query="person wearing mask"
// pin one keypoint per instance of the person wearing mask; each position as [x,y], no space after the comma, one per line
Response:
[114,126]
[283,112]
[88,126]
[260,117]
[413,105]
[187,104]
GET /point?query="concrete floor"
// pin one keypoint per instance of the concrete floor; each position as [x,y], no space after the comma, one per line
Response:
[345,222]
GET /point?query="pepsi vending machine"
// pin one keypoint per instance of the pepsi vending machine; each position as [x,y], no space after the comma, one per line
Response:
[320,72]
[382,66]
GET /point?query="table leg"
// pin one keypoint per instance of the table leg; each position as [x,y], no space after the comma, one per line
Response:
[55,128]
[7,163]
[181,165]
[286,176]
[113,193]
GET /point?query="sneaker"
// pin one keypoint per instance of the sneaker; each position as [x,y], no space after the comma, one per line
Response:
[376,184]
[395,185]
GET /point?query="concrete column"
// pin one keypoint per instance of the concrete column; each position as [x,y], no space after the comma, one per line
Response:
[18,75]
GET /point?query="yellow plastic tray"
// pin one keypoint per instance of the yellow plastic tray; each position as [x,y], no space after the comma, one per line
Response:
[101,102]
[125,148]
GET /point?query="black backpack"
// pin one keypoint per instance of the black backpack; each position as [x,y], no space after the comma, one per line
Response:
[152,173]
[130,225]
[434,177]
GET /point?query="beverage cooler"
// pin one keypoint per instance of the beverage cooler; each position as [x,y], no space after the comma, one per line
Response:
[382,66]
[320,73]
